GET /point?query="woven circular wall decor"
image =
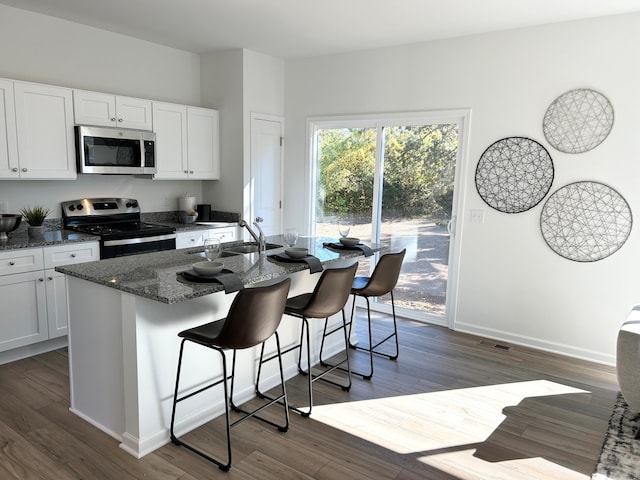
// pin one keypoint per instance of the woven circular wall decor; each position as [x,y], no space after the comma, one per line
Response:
[514,174]
[578,121]
[585,221]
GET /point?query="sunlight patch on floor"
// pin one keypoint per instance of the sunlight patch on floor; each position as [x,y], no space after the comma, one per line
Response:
[444,429]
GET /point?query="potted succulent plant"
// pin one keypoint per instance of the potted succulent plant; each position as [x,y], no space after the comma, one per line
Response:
[35,217]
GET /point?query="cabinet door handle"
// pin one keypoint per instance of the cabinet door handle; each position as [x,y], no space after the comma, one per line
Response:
[41,279]
[73,255]
[119,119]
[12,263]
[14,169]
[192,239]
[113,119]
[50,278]
[24,169]
[191,171]
[186,171]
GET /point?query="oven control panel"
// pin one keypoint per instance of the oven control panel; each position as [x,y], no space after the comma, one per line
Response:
[99,206]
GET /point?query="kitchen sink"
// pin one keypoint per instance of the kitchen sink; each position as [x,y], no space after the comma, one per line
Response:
[222,255]
[249,247]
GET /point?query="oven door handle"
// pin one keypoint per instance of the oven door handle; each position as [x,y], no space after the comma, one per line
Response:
[132,241]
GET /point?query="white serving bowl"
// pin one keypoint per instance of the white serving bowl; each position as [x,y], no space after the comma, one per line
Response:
[349,241]
[296,252]
[207,269]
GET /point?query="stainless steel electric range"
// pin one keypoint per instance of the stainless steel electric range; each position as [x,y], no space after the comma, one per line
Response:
[117,222]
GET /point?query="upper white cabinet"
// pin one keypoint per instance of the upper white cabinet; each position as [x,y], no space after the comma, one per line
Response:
[8,145]
[170,127]
[44,132]
[203,144]
[103,109]
[187,142]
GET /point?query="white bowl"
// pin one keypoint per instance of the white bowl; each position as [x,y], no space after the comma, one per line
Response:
[207,269]
[296,252]
[349,241]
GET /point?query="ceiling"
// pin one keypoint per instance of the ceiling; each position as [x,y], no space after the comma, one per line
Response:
[302,28]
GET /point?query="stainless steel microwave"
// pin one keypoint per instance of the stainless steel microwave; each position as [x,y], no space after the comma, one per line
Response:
[118,151]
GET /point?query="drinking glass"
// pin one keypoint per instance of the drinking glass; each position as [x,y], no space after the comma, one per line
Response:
[344,228]
[212,248]
[290,237]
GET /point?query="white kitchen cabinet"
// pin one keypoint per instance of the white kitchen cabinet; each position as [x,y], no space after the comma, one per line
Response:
[24,299]
[187,142]
[8,145]
[170,127]
[203,144]
[191,238]
[57,311]
[34,295]
[195,238]
[103,109]
[44,131]
[226,234]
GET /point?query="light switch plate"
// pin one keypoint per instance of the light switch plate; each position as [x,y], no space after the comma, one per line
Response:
[477,216]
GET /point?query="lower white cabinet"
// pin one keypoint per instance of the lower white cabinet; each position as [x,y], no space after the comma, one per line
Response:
[24,316]
[34,295]
[195,238]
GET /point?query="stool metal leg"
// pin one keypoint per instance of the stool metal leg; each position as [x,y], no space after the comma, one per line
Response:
[305,342]
[281,399]
[225,466]
[228,402]
[371,348]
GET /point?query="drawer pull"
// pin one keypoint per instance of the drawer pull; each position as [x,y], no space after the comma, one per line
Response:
[12,263]
[41,279]
[73,255]
[50,278]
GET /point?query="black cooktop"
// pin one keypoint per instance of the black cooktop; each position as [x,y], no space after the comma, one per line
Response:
[124,229]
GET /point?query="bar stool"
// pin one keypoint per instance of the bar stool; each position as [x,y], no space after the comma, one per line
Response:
[253,318]
[382,281]
[329,297]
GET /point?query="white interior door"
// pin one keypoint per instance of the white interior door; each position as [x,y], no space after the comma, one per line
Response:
[266,171]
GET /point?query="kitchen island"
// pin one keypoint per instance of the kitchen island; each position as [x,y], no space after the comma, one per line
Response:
[124,317]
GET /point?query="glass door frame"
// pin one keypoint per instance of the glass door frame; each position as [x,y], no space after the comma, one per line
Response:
[461,117]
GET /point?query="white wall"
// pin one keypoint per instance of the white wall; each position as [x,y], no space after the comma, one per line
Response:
[222,88]
[43,49]
[264,94]
[239,82]
[512,286]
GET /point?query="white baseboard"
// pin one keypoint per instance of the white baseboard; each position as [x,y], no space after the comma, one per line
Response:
[31,350]
[538,344]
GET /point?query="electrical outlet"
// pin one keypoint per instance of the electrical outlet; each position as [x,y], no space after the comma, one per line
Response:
[477,216]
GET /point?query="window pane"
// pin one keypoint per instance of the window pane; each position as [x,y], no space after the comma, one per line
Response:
[417,194]
[346,165]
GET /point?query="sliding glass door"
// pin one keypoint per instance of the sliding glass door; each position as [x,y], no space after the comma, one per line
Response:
[392,180]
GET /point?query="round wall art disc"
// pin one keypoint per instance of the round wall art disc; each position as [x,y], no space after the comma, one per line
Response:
[514,174]
[585,221]
[578,121]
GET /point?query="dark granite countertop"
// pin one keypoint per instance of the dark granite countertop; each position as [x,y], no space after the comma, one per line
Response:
[20,239]
[154,275]
[185,227]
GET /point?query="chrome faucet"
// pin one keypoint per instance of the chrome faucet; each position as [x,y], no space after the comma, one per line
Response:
[259,239]
[262,243]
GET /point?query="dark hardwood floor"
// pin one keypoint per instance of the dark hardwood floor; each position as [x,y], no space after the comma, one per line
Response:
[451,407]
